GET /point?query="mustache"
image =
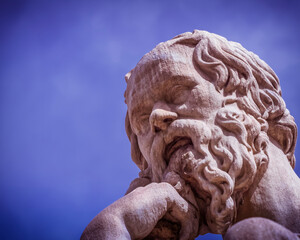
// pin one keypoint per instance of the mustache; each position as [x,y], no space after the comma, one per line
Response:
[198,131]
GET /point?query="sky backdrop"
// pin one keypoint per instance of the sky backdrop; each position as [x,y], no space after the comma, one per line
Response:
[64,153]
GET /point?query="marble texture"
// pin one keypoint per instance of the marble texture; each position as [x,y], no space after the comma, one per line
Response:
[215,144]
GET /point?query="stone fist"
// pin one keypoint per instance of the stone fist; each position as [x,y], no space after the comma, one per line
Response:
[155,211]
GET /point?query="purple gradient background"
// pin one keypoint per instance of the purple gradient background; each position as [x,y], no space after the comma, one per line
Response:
[64,153]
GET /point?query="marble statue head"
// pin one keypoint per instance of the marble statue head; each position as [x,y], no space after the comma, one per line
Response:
[201,114]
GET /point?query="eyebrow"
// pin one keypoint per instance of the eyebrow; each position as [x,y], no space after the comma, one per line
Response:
[184,80]
[188,81]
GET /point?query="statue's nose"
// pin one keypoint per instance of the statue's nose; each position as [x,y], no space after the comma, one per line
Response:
[161,117]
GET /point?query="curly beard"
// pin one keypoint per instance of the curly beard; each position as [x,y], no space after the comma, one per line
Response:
[219,167]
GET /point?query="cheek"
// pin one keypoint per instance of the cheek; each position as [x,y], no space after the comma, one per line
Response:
[205,101]
[144,143]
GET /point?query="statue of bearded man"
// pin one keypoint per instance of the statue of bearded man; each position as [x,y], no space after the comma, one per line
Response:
[215,144]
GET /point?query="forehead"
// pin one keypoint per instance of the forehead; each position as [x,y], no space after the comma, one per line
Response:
[158,70]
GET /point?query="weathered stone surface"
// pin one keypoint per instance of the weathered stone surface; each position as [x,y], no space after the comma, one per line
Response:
[214,141]
[259,228]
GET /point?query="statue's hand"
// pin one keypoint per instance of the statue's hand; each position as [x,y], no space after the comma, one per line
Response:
[135,215]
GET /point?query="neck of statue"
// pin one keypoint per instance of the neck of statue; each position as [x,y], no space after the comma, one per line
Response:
[275,194]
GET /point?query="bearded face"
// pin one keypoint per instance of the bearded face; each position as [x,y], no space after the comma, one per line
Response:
[187,137]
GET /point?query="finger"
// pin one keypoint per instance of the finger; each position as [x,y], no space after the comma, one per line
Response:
[186,214]
[138,182]
[191,217]
[189,229]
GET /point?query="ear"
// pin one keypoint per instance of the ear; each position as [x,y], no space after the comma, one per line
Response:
[136,154]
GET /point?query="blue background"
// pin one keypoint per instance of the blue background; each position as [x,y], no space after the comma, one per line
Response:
[64,153]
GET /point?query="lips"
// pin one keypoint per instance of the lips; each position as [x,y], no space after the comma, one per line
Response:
[172,147]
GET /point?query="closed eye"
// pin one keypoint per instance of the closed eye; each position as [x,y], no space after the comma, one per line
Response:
[178,94]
